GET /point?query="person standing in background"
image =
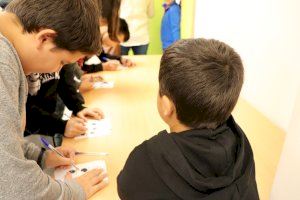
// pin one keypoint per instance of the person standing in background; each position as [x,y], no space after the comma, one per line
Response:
[170,26]
[137,14]
[3,4]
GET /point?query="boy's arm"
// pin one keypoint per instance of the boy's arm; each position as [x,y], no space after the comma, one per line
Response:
[32,151]
[21,178]
[91,65]
[92,68]
[175,22]
[40,120]
[103,57]
[68,87]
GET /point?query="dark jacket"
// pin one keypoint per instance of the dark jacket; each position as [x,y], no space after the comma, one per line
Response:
[196,164]
[44,109]
[104,57]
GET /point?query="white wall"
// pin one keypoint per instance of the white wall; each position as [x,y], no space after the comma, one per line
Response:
[286,183]
[266,33]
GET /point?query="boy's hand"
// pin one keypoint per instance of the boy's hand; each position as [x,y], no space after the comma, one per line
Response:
[94,113]
[75,126]
[86,85]
[127,62]
[91,78]
[96,78]
[92,181]
[54,160]
[111,65]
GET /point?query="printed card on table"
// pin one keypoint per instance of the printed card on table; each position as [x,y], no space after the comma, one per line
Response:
[103,84]
[96,128]
[60,174]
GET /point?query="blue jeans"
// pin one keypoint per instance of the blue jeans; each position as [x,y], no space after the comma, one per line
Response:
[137,50]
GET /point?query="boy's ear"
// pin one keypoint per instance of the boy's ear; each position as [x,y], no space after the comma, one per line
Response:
[168,106]
[44,36]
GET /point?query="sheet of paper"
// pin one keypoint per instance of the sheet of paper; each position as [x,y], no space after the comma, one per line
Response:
[60,174]
[96,128]
[103,84]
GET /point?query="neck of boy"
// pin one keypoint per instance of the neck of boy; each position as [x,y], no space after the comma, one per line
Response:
[178,128]
[10,27]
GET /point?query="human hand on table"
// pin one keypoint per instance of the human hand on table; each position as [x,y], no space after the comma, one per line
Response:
[88,81]
[127,62]
[53,160]
[75,126]
[94,113]
[111,65]
[91,182]
[91,78]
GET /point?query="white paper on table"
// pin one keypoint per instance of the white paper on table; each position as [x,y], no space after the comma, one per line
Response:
[103,84]
[96,128]
[59,174]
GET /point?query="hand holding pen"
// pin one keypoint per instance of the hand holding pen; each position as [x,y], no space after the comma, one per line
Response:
[58,157]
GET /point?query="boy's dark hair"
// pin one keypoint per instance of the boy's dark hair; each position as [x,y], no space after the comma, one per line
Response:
[76,22]
[124,29]
[110,11]
[203,78]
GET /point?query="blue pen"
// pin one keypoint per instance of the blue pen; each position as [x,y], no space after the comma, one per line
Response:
[49,146]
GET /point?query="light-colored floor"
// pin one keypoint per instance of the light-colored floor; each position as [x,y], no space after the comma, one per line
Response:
[131,105]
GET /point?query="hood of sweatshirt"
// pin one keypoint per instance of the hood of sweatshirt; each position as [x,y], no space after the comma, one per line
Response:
[204,163]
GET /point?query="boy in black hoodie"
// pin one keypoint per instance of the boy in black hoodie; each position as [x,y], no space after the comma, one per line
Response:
[206,155]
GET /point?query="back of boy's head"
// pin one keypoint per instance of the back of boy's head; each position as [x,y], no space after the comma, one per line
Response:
[124,29]
[76,22]
[203,78]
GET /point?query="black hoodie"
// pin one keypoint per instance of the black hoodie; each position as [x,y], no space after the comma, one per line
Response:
[43,109]
[195,164]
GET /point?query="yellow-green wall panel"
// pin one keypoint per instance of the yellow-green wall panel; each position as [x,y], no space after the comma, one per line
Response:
[154,29]
[187,24]
[187,18]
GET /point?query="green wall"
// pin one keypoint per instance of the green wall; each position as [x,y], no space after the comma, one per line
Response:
[154,29]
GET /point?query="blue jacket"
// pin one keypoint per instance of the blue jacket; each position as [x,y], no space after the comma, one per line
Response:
[170,26]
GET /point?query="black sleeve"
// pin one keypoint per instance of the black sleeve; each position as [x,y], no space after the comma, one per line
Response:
[92,68]
[41,121]
[103,57]
[68,87]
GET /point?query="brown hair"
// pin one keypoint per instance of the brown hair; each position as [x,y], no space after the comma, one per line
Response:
[203,78]
[110,12]
[76,22]
[123,29]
